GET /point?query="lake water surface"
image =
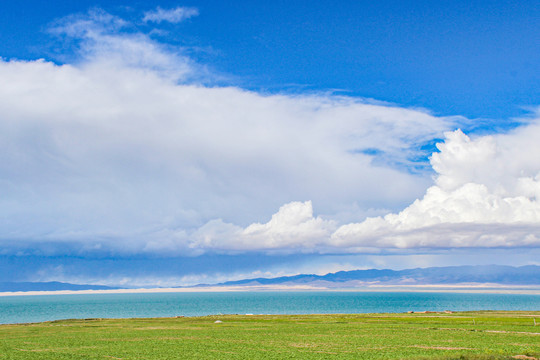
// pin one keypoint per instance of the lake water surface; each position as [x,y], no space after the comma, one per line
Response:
[22,309]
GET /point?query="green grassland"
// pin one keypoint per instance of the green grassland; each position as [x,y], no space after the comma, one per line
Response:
[467,335]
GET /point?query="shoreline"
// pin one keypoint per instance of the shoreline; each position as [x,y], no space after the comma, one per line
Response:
[533,314]
[456,288]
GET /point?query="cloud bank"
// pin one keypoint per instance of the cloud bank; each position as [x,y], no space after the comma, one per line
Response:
[125,150]
[486,194]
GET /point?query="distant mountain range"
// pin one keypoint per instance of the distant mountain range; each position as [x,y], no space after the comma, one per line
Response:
[452,275]
[48,286]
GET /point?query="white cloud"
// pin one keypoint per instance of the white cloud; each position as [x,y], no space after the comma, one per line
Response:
[104,40]
[175,15]
[293,227]
[121,151]
[99,151]
[487,194]
[125,151]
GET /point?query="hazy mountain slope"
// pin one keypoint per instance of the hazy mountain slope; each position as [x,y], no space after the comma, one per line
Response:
[507,275]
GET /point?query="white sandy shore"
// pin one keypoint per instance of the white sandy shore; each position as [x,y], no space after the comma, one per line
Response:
[457,288]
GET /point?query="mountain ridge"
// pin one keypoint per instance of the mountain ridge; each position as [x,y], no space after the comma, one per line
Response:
[496,274]
[528,275]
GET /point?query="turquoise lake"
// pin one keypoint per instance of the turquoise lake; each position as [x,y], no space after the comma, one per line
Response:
[23,309]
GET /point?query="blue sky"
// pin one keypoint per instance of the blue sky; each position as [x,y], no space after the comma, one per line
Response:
[476,59]
[175,143]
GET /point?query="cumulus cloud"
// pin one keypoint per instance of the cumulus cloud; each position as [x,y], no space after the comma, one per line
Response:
[292,227]
[174,16]
[486,195]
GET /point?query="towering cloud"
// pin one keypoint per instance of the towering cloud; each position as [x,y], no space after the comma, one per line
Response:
[487,194]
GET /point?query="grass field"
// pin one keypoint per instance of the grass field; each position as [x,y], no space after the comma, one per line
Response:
[468,335]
